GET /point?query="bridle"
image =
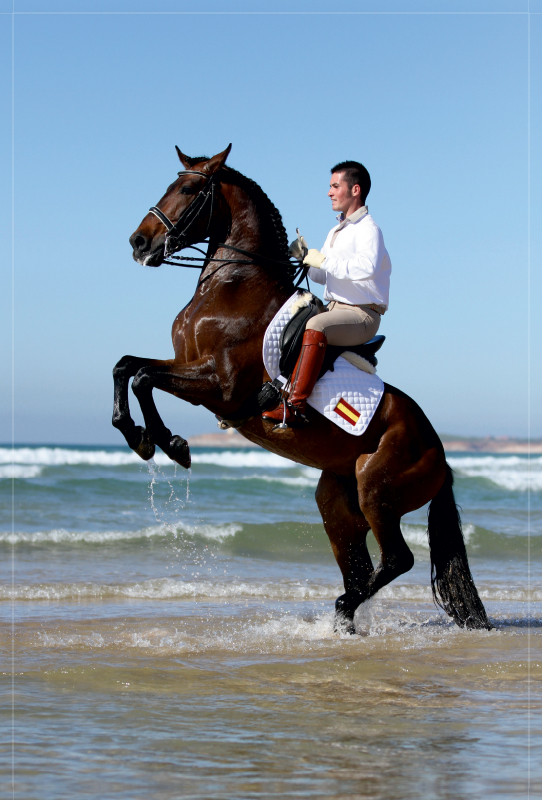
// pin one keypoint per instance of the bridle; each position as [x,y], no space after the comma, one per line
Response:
[176,236]
[177,233]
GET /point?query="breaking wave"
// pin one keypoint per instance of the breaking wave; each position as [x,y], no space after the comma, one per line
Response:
[63,456]
[172,589]
[513,473]
[215,533]
[289,541]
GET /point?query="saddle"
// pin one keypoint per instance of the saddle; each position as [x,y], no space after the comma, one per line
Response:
[270,393]
[292,338]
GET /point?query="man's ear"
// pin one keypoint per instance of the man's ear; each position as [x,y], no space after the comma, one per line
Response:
[356,190]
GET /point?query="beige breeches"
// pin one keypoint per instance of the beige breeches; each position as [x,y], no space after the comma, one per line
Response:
[344,324]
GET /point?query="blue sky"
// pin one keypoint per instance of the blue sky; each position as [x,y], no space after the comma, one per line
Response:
[435,105]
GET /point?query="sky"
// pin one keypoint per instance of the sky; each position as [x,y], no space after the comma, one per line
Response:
[442,105]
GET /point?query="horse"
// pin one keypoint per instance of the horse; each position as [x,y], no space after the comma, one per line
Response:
[367,482]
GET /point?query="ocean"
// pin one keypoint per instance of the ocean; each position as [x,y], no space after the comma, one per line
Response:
[169,634]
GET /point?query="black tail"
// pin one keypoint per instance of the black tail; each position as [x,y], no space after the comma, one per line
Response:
[451,580]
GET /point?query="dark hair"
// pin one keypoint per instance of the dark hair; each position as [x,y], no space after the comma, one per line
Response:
[354,172]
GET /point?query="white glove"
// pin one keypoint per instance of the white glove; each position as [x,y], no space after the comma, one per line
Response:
[298,248]
[314,258]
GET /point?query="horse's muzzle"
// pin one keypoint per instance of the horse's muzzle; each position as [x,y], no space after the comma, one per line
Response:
[142,252]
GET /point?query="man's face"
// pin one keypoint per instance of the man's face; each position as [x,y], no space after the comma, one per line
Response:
[341,196]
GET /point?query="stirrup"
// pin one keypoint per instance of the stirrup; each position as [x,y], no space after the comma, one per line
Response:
[299,419]
[280,426]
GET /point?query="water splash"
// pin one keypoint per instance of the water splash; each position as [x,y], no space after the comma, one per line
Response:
[173,505]
[170,517]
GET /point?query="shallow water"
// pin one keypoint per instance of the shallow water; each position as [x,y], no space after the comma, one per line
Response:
[174,637]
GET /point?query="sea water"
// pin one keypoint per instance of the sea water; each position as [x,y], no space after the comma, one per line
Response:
[169,634]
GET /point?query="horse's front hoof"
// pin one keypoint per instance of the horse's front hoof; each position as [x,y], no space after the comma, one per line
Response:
[140,441]
[179,451]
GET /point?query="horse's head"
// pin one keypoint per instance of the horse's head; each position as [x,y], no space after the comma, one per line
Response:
[183,215]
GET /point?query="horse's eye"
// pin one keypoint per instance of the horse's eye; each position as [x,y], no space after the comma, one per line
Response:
[188,190]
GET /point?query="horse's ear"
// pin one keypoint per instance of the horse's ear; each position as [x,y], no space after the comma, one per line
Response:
[186,161]
[217,162]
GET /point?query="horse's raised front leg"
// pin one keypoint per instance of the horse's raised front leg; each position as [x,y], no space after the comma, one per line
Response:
[136,436]
[347,528]
[196,382]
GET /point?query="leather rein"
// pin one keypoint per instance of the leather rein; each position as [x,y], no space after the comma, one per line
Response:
[177,234]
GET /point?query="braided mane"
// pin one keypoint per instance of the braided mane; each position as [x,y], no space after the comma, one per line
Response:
[270,218]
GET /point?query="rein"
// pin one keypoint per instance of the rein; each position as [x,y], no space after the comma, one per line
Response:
[177,234]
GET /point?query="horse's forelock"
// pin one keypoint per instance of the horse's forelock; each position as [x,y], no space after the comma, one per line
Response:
[193,160]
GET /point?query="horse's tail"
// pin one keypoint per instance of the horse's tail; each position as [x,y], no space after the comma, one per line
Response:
[451,580]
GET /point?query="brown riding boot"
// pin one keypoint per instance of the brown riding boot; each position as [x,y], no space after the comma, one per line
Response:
[304,377]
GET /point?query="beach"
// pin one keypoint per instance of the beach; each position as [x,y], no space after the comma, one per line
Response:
[173,635]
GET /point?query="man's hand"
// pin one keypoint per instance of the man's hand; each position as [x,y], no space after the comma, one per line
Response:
[314,258]
[298,248]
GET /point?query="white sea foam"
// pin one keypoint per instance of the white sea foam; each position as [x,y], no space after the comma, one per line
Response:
[227,591]
[60,536]
[311,480]
[416,535]
[171,589]
[9,471]
[62,456]
[247,458]
[514,473]
[396,627]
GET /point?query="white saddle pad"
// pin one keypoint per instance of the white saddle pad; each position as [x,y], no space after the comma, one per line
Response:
[347,396]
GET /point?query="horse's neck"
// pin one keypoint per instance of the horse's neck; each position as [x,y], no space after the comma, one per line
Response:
[253,291]
[246,231]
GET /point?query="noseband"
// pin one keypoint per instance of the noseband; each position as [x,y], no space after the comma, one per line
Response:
[176,236]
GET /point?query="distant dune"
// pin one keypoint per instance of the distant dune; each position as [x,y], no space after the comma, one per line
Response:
[489,444]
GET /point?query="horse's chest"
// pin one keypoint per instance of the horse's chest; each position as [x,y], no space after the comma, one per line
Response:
[197,335]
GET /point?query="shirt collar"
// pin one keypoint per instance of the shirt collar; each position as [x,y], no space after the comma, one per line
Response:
[361,212]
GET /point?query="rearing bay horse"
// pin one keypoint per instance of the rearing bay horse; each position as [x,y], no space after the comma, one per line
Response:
[368,482]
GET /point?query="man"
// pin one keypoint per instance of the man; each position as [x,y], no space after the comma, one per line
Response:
[355,268]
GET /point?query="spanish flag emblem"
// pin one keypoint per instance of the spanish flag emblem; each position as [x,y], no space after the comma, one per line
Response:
[345,410]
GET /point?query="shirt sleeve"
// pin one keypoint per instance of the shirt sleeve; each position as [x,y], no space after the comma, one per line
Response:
[317,275]
[366,260]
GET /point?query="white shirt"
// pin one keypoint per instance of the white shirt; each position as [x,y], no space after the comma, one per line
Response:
[357,267]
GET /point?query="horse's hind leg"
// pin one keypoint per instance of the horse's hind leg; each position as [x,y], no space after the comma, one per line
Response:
[392,482]
[347,527]
[395,555]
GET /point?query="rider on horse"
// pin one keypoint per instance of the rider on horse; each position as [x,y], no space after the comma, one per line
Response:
[355,268]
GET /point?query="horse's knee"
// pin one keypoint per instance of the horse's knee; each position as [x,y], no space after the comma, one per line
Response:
[126,367]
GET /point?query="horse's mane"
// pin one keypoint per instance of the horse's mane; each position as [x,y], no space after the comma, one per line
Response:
[269,215]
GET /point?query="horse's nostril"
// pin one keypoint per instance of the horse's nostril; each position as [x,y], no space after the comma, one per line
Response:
[138,241]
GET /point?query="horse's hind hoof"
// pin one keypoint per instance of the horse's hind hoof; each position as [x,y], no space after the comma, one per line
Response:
[140,441]
[347,603]
[343,625]
[179,451]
